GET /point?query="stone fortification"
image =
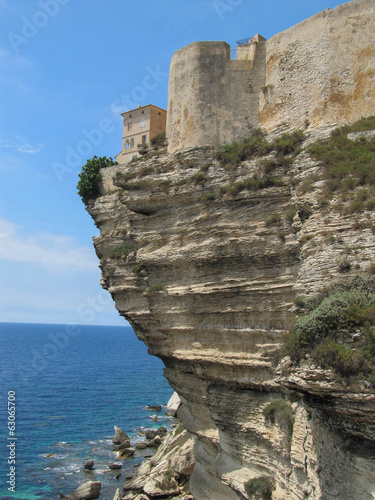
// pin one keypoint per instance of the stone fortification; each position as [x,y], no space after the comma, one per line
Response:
[320,72]
[211,97]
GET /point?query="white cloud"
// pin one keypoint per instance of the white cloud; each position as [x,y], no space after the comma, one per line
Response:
[57,253]
[22,145]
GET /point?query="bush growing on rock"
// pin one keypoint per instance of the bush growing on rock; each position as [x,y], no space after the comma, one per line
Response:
[90,176]
[280,411]
[348,165]
[256,145]
[260,487]
[337,328]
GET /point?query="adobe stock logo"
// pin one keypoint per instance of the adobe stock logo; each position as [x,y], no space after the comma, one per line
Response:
[224,6]
[32,25]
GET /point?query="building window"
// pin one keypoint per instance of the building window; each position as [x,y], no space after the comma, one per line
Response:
[130,116]
[130,125]
[132,142]
[142,123]
[127,144]
[143,112]
[144,139]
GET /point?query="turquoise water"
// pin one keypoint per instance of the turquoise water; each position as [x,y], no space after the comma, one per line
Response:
[72,386]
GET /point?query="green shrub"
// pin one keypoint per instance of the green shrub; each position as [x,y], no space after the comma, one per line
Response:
[256,145]
[146,171]
[199,178]
[344,264]
[205,167]
[208,197]
[158,139]
[90,176]
[280,411]
[288,143]
[121,180]
[344,361]
[262,487]
[273,220]
[142,149]
[155,288]
[290,214]
[328,320]
[236,152]
[348,164]
[137,269]
[120,252]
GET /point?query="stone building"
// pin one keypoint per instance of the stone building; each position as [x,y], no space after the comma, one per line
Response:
[320,72]
[140,126]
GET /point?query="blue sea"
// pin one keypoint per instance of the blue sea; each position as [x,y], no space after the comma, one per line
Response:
[72,385]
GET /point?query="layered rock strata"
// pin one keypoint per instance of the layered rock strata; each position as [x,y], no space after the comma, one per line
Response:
[207,281]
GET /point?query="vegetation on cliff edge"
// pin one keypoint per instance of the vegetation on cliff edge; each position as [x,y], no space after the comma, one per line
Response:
[337,329]
[348,166]
[90,176]
[286,147]
[260,487]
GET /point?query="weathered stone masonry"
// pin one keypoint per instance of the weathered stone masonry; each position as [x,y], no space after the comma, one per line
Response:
[319,72]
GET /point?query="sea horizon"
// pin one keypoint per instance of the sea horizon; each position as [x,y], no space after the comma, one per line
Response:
[71,389]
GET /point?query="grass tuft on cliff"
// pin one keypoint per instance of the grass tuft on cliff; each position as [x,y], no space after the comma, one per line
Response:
[260,487]
[90,176]
[279,411]
[337,328]
[256,145]
[349,165]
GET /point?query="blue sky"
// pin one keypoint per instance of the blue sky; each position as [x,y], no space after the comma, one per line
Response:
[69,68]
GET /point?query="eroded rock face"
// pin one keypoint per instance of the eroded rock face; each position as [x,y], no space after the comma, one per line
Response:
[87,491]
[206,278]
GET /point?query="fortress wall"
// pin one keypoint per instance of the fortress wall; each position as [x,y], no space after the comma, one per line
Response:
[319,72]
[322,70]
[208,94]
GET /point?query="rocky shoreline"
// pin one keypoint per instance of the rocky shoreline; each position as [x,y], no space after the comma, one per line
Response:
[164,474]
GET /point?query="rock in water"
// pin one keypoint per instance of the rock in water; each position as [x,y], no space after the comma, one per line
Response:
[153,407]
[87,491]
[118,495]
[89,465]
[121,437]
[114,466]
[173,405]
[127,452]
[150,434]
[140,445]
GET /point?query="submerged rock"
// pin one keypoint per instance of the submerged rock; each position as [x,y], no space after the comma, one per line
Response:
[150,434]
[141,445]
[153,407]
[115,466]
[87,491]
[126,452]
